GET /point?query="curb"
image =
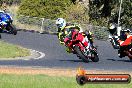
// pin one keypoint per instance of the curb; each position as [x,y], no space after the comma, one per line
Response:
[41,55]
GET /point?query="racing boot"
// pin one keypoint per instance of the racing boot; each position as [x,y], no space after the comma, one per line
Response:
[88,50]
[121,54]
[68,50]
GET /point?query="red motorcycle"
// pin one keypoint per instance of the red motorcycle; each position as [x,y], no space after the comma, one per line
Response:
[77,43]
[125,48]
[125,51]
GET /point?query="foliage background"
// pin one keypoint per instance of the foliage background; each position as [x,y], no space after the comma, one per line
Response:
[103,11]
[98,12]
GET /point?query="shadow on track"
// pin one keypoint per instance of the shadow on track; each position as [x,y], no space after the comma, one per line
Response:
[120,60]
[73,61]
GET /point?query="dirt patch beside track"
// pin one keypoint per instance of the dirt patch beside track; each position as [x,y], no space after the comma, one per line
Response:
[53,71]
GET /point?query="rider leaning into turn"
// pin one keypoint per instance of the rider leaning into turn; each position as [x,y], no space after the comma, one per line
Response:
[2,17]
[112,30]
[64,29]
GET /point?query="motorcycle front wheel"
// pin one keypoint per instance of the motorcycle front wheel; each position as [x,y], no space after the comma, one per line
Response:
[80,54]
[0,36]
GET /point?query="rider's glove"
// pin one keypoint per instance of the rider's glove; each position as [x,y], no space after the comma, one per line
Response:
[62,43]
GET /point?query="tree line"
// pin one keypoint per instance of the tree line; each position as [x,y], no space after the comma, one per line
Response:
[99,12]
[105,11]
[10,2]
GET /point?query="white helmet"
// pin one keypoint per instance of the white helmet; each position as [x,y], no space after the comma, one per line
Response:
[1,11]
[112,26]
[61,23]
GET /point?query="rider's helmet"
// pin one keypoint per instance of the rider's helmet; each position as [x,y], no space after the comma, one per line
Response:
[61,23]
[112,26]
[1,11]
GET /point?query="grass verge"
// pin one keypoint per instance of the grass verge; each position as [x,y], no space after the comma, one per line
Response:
[44,81]
[9,51]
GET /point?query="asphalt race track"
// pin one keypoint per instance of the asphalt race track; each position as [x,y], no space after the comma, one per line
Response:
[56,56]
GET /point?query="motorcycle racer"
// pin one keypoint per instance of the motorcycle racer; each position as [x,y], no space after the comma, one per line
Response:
[2,18]
[125,42]
[112,29]
[64,30]
[6,23]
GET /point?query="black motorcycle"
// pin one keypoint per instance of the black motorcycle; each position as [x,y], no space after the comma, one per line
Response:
[114,42]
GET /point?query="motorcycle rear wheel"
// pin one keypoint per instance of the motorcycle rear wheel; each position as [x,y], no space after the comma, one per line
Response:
[95,58]
[80,53]
[12,29]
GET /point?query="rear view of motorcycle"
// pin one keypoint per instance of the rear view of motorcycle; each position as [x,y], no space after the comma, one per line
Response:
[7,23]
[81,47]
[125,48]
[114,42]
[113,36]
[122,41]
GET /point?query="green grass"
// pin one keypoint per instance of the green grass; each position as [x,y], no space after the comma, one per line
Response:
[43,81]
[11,51]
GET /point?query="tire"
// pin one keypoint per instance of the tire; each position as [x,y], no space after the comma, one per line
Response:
[80,54]
[81,80]
[130,58]
[1,30]
[115,44]
[12,29]
[95,59]
[0,36]
[14,32]
[121,54]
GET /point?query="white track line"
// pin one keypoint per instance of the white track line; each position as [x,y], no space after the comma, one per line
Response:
[41,54]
